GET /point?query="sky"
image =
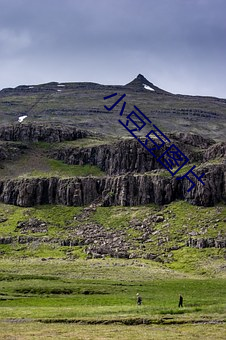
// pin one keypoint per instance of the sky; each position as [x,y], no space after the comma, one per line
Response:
[179,45]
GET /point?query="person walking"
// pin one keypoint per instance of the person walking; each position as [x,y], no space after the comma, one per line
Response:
[139,299]
[180,301]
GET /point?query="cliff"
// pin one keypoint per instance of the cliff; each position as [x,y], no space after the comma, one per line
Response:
[37,132]
[126,190]
[130,156]
[134,177]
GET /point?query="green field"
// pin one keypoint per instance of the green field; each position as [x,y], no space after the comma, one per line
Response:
[97,298]
[31,330]
[52,291]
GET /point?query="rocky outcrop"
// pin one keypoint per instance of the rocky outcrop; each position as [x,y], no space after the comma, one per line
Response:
[192,139]
[11,150]
[217,150]
[122,157]
[118,158]
[125,163]
[33,225]
[35,133]
[201,243]
[138,85]
[125,190]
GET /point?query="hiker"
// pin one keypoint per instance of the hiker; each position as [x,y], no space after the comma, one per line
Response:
[139,299]
[180,301]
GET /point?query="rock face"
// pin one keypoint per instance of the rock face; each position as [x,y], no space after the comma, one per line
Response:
[122,157]
[192,139]
[10,151]
[35,133]
[125,190]
[218,242]
[119,158]
[216,150]
[125,163]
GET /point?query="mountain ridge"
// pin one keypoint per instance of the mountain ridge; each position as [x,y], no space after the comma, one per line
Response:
[82,105]
[138,83]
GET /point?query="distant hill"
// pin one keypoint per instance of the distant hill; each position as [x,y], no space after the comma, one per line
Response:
[81,104]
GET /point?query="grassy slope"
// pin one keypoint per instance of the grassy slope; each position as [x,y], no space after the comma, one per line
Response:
[76,299]
[85,107]
[36,163]
[180,219]
[106,289]
[61,290]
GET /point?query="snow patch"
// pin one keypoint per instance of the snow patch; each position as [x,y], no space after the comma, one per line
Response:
[21,118]
[61,85]
[31,87]
[148,87]
[59,90]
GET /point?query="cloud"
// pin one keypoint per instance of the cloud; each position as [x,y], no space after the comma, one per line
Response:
[178,44]
[12,42]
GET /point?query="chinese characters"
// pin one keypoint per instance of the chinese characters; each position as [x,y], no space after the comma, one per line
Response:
[172,158]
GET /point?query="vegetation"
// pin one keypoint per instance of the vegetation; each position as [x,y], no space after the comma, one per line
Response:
[61,292]
[113,332]
[84,104]
[37,163]
[60,169]
[50,290]
[181,221]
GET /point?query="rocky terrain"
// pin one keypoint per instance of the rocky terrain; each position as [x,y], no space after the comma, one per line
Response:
[82,105]
[115,190]
[35,133]
[133,176]
[61,132]
[151,236]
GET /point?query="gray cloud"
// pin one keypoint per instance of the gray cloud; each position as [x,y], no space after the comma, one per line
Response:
[177,44]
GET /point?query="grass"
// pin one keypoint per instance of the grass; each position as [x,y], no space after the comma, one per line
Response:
[60,169]
[86,107]
[208,260]
[49,290]
[46,298]
[87,142]
[182,221]
[43,167]
[32,330]
[36,162]
[78,143]
[55,216]
[182,171]
[96,299]
[119,217]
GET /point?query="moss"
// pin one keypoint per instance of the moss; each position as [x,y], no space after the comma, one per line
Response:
[181,221]
[197,260]
[60,169]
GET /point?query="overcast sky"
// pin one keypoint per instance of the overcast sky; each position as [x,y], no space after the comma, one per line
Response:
[179,45]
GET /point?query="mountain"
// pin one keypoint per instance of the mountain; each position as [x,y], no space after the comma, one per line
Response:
[140,83]
[70,157]
[82,105]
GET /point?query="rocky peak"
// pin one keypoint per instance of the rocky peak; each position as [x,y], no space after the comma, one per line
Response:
[140,83]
